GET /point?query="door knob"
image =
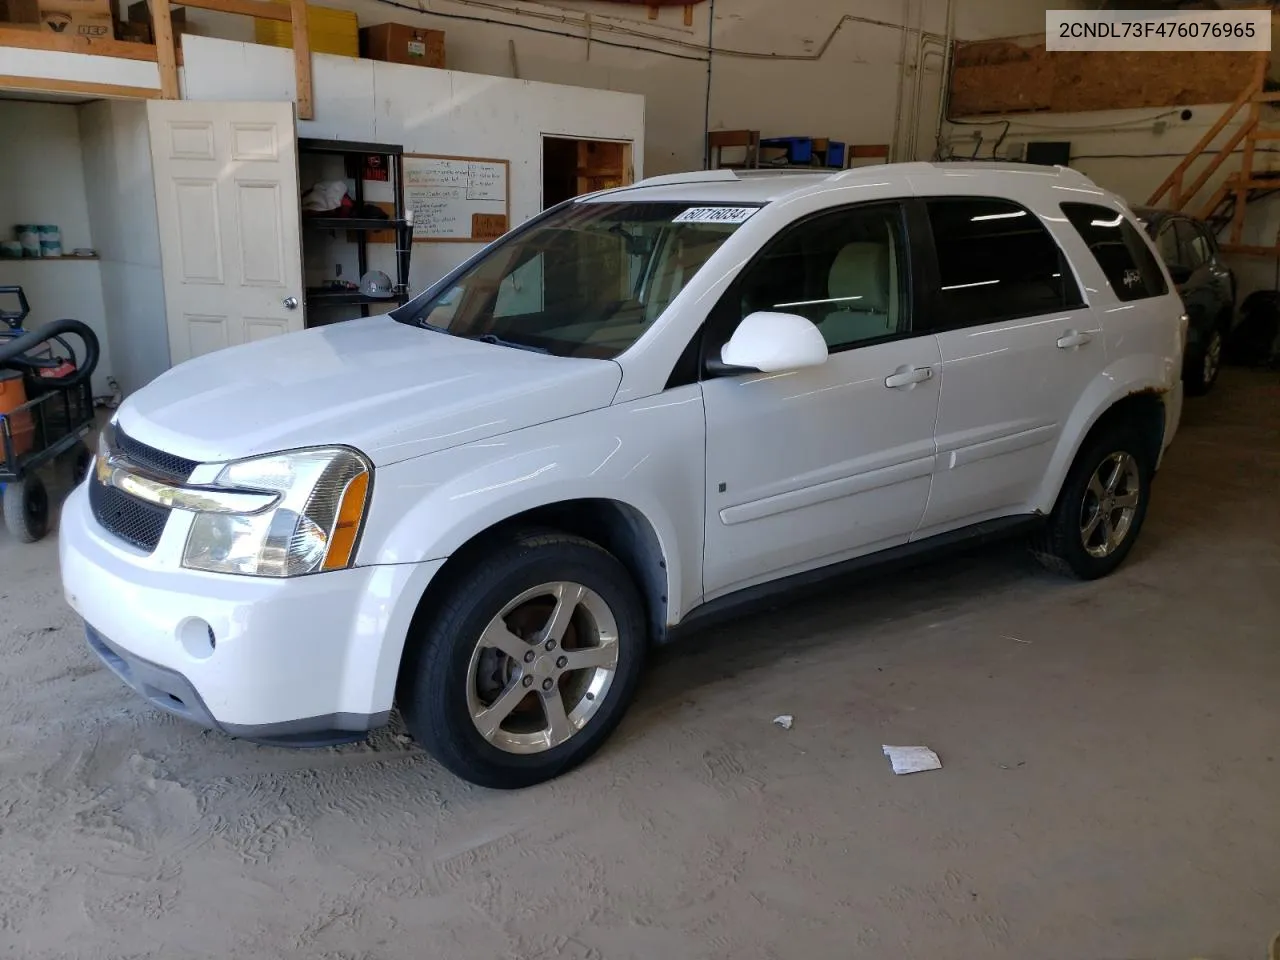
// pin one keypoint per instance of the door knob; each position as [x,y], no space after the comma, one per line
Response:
[1074,339]
[908,377]
[291,303]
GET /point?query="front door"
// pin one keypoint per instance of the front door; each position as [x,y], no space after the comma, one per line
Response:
[817,465]
[228,209]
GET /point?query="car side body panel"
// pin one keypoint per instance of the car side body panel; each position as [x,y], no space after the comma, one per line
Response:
[646,454]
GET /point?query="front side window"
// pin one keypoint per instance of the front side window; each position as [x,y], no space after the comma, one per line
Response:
[1195,247]
[844,270]
[586,281]
[1126,260]
[1167,244]
[996,261]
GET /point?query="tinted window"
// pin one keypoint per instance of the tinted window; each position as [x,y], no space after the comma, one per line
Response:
[1167,244]
[1195,248]
[996,261]
[845,271]
[1121,252]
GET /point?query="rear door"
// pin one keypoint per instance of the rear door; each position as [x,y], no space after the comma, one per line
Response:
[228,209]
[1018,347]
[1208,293]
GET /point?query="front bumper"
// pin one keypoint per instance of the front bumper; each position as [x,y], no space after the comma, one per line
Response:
[302,661]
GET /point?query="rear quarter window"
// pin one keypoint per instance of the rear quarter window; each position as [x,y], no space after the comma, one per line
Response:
[1124,256]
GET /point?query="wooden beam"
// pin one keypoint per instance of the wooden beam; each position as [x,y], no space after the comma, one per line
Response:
[1227,149]
[43,40]
[1266,135]
[162,26]
[302,60]
[862,151]
[1212,205]
[1267,97]
[1251,251]
[109,91]
[688,14]
[1199,148]
[258,9]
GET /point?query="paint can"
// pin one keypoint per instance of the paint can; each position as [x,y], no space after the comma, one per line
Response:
[50,241]
[29,237]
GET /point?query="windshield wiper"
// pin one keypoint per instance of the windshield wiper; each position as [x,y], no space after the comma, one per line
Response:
[492,338]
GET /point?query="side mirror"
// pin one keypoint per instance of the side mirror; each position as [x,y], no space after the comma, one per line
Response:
[774,342]
[1179,274]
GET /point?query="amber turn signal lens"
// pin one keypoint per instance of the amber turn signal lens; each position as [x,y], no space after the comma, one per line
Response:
[342,542]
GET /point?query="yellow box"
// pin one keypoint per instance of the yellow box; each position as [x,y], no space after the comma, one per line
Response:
[330,31]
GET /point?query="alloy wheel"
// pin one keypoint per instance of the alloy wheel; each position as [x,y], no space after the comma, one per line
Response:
[1110,504]
[543,667]
[1213,358]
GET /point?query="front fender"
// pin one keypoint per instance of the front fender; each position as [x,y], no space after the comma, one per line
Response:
[1132,375]
[646,454]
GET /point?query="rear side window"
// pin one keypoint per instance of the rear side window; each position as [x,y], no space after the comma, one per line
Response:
[996,261]
[1123,255]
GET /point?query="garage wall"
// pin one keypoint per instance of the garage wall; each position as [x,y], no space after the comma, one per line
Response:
[43,182]
[806,67]
[122,212]
[1131,152]
[427,111]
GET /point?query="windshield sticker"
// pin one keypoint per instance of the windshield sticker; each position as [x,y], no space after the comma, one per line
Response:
[715,215]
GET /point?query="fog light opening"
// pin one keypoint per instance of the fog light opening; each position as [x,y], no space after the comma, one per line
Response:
[197,638]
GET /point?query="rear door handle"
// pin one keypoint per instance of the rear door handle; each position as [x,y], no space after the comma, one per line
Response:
[906,378]
[1073,339]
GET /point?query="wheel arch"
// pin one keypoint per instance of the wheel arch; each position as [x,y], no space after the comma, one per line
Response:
[1142,400]
[619,527]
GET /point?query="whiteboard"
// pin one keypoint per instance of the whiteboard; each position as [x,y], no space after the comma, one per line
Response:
[457,199]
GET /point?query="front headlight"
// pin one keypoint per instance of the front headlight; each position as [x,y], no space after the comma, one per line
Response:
[312,526]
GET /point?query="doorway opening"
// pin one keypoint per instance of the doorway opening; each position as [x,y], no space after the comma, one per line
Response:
[573,166]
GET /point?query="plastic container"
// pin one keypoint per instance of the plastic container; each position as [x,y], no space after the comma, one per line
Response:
[19,425]
[29,236]
[50,241]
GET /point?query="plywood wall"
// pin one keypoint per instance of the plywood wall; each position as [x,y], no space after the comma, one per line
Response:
[999,76]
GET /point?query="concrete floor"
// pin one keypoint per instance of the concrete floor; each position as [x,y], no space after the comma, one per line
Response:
[1111,780]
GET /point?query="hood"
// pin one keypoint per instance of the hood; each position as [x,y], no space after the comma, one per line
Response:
[390,390]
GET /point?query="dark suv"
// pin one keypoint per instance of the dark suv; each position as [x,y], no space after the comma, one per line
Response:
[1207,286]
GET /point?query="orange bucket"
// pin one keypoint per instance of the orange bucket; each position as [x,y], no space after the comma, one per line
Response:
[19,425]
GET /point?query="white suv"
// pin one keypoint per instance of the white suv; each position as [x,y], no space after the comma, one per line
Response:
[642,406]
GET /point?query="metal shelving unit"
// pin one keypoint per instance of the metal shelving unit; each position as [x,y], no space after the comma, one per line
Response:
[360,229]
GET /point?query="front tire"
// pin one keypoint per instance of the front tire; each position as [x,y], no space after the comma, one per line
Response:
[529,663]
[1102,505]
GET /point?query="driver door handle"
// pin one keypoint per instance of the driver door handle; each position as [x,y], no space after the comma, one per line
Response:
[906,378]
[1073,339]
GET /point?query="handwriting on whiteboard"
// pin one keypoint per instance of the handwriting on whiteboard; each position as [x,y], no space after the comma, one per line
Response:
[478,179]
[453,198]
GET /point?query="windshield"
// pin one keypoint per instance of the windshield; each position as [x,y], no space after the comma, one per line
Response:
[585,281]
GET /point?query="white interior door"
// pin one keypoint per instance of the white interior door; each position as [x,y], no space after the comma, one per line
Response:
[228,208]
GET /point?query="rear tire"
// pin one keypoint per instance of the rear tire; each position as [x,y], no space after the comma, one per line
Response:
[1101,507]
[26,509]
[1200,372]
[566,638]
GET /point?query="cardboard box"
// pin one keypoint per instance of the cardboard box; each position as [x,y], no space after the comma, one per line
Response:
[78,24]
[133,32]
[401,43]
[330,31]
[140,20]
[24,14]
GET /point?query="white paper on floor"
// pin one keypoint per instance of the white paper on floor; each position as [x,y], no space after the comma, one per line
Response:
[911,759]
[784,721]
